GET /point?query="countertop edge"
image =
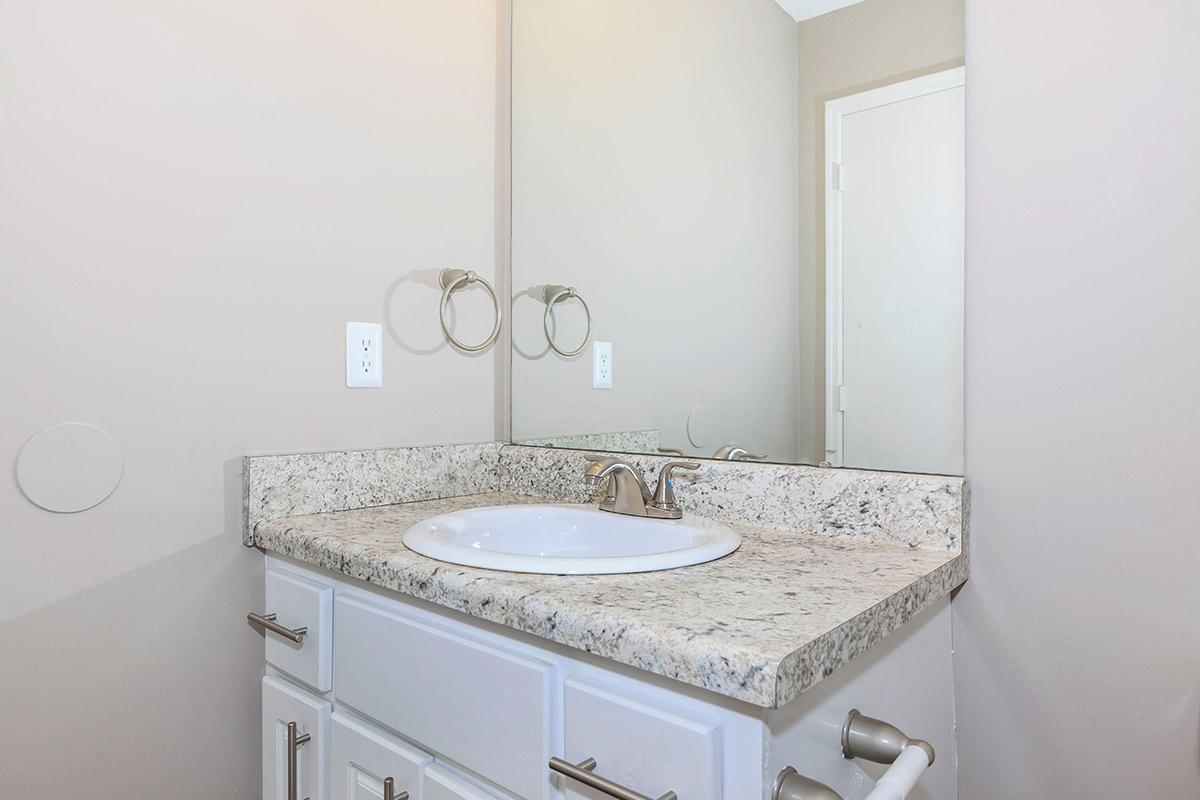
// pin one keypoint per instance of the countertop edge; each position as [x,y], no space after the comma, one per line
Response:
[797,673]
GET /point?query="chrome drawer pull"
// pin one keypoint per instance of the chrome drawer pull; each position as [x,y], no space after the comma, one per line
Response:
[389,791]
[294,740]
[268,622]
[582,772]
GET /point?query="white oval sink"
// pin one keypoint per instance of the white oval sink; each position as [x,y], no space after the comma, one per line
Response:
[568,540]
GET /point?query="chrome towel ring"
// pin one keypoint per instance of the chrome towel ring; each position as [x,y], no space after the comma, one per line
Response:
[452,280]
[553,294]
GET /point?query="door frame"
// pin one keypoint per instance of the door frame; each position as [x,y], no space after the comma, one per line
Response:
[836,111]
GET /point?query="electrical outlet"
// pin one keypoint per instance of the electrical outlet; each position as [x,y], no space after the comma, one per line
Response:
[364,354]
[602,365]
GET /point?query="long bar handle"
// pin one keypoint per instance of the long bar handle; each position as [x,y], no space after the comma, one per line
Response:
[294,740]
[389,791]
[583,773]
[268,621]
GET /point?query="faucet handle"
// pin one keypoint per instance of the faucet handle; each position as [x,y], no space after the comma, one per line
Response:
[733,452]
[664,495]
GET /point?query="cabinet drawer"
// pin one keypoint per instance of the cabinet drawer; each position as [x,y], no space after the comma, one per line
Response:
[645,748]
[484,708]
[283,703]
[442,784]
[300,602]
[362,757]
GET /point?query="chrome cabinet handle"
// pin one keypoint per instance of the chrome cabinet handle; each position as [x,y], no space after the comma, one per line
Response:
[389,791]
[268,621]
[582,772]
[294,740]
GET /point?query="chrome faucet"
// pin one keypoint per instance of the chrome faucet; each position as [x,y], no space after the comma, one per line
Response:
[731,452]
[627,492]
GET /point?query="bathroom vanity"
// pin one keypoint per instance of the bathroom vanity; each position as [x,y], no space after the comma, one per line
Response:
[732,241]
[390,672]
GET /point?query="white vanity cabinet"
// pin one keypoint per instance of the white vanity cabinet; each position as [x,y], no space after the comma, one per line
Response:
[452,708]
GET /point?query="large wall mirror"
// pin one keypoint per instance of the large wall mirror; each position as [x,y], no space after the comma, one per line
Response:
[737,229]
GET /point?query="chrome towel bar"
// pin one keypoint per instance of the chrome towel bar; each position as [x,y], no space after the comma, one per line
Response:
[871,739]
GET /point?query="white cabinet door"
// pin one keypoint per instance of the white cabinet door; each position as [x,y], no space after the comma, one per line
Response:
[643,747]
[442,784]
[283,704]
[362,757]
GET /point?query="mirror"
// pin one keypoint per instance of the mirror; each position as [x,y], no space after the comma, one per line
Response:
[737,229]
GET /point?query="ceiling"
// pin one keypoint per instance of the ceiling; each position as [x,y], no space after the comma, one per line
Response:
[806,9]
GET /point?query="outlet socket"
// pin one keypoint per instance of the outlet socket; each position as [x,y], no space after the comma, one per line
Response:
[602,365]
[364,355]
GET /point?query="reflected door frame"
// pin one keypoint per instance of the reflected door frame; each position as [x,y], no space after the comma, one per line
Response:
[836,111]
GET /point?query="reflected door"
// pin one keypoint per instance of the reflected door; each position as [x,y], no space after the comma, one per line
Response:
[894,261]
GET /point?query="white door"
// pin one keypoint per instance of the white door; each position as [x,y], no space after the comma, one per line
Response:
[894,274]
[282,705]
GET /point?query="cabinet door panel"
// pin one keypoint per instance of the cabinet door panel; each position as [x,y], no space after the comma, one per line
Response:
[643,747]
[362,756]
[283,703]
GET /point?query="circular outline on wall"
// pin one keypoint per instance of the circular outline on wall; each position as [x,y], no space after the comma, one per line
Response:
[69,467]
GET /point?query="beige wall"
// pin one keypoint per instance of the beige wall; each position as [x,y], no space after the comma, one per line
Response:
[865,45]
[1077,638]
[654,168]
[194,199]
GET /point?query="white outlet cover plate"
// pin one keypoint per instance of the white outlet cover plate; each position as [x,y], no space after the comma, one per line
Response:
[602,364]
[364,355]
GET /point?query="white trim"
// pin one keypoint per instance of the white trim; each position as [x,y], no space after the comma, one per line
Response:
[835,112]
[801,10]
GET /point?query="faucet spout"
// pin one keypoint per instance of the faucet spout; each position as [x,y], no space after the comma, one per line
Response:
[627,489]
[628,492]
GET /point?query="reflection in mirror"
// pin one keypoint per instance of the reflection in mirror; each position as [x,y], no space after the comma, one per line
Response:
[737,229]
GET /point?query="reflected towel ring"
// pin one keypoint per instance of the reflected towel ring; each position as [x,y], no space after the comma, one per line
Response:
[553,293]
[452,280]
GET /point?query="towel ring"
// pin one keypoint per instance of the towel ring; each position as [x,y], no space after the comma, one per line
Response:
[554,294]
[452,280]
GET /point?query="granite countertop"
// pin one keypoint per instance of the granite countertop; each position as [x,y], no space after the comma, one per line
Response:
[760,625]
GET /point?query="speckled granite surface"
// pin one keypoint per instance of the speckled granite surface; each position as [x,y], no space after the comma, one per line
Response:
[760,625]
[310,483]
[916,510]
[646,441]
